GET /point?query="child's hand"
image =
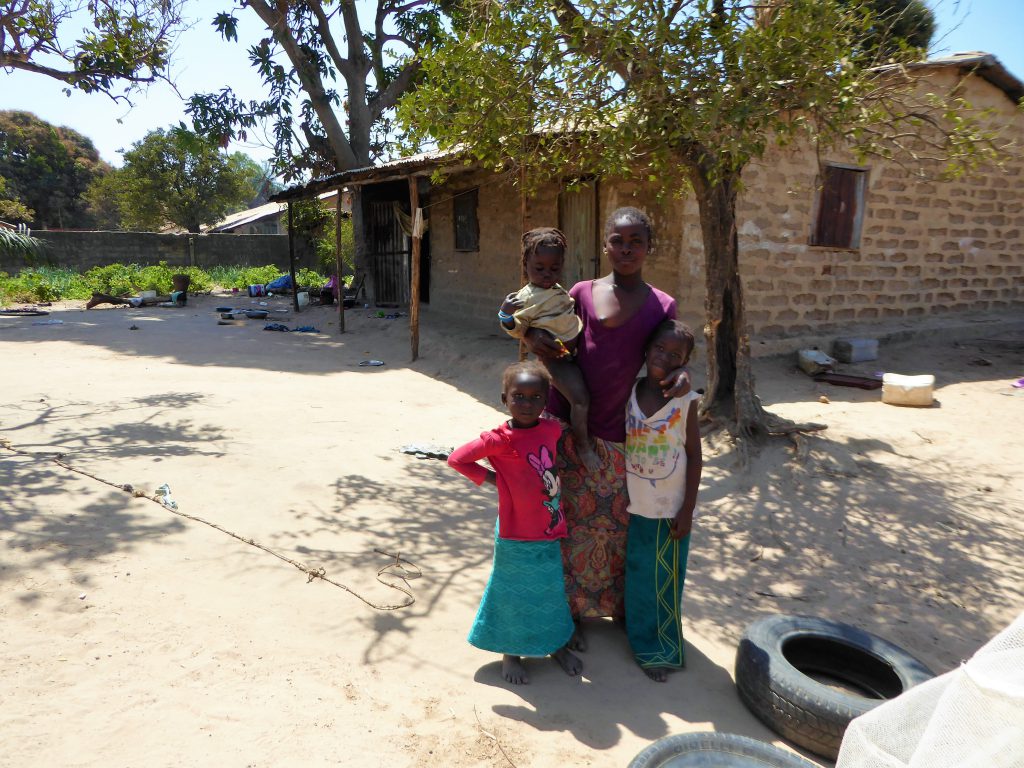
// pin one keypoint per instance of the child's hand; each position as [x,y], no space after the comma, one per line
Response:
[543,344]
[682,524]
[676,384]
[511,304]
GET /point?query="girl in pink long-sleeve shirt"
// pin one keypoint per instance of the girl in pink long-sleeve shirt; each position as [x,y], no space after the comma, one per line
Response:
[524,610]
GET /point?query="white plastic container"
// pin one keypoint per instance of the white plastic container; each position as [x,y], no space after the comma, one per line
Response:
[908,390]
[855,350]
[147,294]
[303,298]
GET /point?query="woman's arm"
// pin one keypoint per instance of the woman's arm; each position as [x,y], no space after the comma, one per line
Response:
[676,384]
[694,466]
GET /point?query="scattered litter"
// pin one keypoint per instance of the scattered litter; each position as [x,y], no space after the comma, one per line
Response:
[228,322]
[256,314]
[257,290]
[824,399]
[225,309]
[855,350]
[82,596]
[23,312]
[427,451]
[1019,384]
[285,329]
[133,327]
[908,390]
[371,363]
[51,321]
[164,496]
[282,283]
[849,380]
[814,361]
[263,303]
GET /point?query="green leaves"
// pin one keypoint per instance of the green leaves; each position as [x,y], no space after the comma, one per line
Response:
[622,88]
[127,41]
[177,177]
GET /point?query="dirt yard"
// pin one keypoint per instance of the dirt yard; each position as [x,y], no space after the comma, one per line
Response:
[136,637]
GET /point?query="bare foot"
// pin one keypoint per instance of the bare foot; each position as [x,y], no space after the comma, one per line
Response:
[590,459]
[513,671]
[577,642]
[571,664]
[657,674]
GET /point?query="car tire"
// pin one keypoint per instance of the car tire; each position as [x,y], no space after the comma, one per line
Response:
[715,750]
[806,678]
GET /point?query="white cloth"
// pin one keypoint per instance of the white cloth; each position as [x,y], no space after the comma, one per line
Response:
[656,457]
[970,717]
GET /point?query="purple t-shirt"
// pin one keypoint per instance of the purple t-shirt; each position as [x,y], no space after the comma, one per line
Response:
[610,359]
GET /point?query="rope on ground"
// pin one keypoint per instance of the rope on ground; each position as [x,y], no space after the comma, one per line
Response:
[401,569]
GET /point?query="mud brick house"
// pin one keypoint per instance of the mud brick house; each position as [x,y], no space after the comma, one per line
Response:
[822,247]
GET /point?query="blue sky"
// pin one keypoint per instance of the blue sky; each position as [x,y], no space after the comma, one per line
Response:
[203,62]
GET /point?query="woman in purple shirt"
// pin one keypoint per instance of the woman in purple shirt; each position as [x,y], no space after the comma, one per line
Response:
[619,311]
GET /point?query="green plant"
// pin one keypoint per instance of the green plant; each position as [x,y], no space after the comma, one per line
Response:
[19,245]
[307,278]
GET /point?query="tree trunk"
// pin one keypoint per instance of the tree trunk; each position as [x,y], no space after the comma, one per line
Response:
[730,394]
[730,398]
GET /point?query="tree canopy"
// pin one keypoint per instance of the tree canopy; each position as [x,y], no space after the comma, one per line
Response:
[46,169]
[682,94]
[176,177]
[121,42]
[333,77]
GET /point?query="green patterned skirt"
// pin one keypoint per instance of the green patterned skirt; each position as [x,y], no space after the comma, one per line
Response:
[655,572]
[523,611]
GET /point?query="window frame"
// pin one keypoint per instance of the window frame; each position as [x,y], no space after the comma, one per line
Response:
[818,236]
[466,204]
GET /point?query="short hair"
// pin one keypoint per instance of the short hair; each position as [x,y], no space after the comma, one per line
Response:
[674,327]
[633,216]
[543,237]
[531,367]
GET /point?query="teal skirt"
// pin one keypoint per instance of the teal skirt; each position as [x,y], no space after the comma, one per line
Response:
[524,610]
[655,572]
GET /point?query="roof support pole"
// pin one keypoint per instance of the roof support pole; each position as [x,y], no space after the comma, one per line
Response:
[523,351]
[291,259]
[338,262]
[414,287]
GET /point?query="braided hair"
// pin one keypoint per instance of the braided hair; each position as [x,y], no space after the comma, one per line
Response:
[543,237]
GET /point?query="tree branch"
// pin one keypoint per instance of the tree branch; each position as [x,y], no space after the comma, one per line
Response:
[309,76]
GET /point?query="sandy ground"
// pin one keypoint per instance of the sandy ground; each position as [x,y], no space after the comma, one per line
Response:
[132,636]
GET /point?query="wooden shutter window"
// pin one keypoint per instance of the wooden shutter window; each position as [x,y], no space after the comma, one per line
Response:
[467,229]
[839,208]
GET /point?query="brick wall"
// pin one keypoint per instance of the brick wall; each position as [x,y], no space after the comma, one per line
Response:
[927,247]
[83,250]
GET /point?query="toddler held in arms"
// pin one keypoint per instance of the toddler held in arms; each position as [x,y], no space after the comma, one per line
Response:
[543,304]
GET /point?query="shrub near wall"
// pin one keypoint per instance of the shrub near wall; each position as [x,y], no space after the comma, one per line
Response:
[83,250]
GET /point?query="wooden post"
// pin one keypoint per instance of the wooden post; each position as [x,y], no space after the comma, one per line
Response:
[414,293]
[291,259]
[523,352]
[338,263]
